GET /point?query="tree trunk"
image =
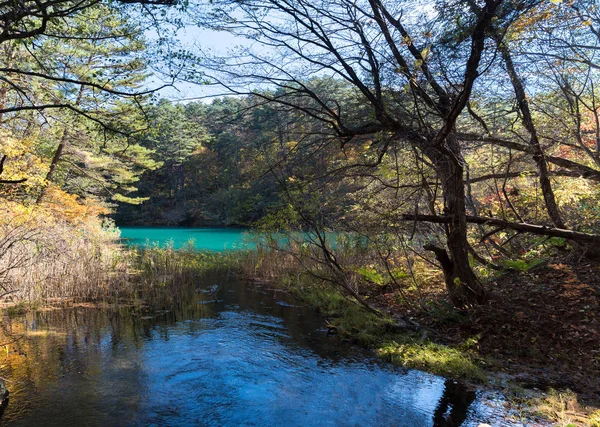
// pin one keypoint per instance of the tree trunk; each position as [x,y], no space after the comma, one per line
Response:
[53,165]
[61,146]
[462,284]
[534,143]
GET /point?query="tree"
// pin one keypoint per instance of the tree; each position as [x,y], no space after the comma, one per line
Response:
[213,169]
[444,82]
[97,46]
[26,27]
[24,21]
[104,47]
[378,51]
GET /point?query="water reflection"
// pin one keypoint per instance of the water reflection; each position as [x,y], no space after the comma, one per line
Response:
[251,358]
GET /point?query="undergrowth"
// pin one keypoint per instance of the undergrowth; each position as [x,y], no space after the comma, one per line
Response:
[563,408]
[48,256]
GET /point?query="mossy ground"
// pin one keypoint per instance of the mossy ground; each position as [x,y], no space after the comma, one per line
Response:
[409,349]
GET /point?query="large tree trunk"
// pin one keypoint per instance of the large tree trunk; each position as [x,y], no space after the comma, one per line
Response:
[462,284]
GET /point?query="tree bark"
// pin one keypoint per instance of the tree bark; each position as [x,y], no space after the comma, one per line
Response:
[53,165]
[534,143]
[464,289]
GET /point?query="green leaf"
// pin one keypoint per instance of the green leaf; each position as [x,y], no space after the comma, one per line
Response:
[371,275]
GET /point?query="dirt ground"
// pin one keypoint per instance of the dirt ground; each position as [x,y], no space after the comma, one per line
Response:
[539,328]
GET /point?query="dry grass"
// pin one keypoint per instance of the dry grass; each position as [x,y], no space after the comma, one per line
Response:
[44,257]
[563,408]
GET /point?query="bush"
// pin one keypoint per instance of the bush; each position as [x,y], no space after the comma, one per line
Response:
[43,255]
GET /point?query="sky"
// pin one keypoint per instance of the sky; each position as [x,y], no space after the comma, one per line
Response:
[198,39]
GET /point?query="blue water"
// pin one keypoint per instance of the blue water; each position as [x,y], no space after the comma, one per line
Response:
[211,239]
[248,358]
[215,353]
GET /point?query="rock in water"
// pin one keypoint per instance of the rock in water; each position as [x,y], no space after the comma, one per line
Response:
[211,290]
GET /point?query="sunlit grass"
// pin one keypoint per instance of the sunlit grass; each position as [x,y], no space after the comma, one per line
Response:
[431,357]
[594,420]
[408,349]
[563,408]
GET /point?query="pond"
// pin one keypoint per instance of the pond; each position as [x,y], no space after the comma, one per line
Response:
[219,353]
[211,239]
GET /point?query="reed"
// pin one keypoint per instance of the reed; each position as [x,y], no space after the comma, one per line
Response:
[155,266]
[43,257]
[355,266]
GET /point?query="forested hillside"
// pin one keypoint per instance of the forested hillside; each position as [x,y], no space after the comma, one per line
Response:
[215,161]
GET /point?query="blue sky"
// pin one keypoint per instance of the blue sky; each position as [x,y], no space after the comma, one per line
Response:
[198,40]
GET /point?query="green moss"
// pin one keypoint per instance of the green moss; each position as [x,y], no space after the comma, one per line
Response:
[354,322]
[444,312]
[431,357]
[522,265]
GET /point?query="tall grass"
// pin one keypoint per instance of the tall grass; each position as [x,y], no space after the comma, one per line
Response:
[156,266]
[355,265]
[44,257]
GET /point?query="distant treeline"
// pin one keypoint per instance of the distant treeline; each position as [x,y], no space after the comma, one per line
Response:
[216,162]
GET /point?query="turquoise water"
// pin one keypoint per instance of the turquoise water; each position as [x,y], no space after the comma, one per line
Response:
[211,239]
[216,239]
